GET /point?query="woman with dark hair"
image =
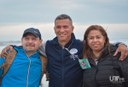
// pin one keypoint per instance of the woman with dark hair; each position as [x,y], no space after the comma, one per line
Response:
[105,70]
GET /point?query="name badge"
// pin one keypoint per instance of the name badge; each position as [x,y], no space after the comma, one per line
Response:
[84,63]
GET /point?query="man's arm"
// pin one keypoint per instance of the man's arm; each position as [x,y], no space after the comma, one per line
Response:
[2,60]
[42,50]
[4,51]
[122,48]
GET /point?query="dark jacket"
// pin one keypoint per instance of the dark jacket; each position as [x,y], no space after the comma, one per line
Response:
[64,69]
[109,72]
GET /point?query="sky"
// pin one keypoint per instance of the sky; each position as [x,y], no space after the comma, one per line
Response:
[17,15]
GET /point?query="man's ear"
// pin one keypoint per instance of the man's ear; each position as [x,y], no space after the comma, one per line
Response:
[41,42]
[72,28]
[21,39]
[54,29]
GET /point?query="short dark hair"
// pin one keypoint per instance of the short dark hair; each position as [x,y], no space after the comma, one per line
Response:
[63,16]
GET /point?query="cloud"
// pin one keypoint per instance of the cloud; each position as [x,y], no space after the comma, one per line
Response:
[65,4]
[15,31]
[82,11]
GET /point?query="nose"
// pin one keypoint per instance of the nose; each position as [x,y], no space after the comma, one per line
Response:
[95,39]
[30,40]
[61,29]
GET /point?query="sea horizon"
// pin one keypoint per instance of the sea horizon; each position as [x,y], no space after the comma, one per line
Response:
[16,42]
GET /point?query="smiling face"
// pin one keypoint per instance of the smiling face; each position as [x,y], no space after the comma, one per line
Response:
[96,40]
[63,29]
[31,43]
